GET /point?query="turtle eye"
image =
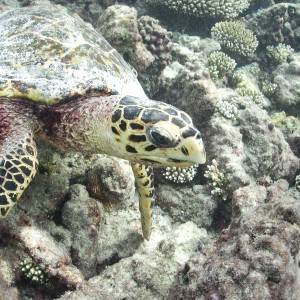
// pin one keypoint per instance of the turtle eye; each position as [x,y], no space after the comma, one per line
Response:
[161,137]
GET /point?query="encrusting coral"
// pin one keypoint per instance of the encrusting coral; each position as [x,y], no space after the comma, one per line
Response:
[217,9]
[235,38]
[247,88]
[227,110]
[219,64]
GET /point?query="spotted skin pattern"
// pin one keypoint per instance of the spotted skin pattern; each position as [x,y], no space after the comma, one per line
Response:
[145,132]
[131,118]
[144,180]
[60,80]
[18,166]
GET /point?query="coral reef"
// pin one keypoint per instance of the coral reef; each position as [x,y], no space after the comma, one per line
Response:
[276,24]
[83,217]
[111,181]
[256,257]
[79,221]
[297,182]
[288,124]
[248,89]
[219,64]
[215,9]
[235,38]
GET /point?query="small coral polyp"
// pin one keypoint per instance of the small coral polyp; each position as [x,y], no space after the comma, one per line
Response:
[33,272]
[180,175]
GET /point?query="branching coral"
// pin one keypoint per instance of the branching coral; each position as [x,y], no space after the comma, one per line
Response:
[217,9]
[218,180]
[180,175]
[279,54]
[219,64]
[235,38]
[268,88]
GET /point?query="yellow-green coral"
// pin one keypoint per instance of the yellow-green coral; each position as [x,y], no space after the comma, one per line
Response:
[286,123]
[219,64]
[268,88]
[217,9]
[247,88]
[235,38]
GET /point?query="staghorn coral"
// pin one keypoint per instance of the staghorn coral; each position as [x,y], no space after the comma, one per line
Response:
[219,64]
[235,38]
[216,9]
[279,54]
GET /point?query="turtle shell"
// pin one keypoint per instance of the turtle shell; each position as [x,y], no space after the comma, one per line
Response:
[48,56]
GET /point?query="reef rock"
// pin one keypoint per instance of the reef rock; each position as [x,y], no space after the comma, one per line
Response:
[286,76]
[118,24]
[256,257]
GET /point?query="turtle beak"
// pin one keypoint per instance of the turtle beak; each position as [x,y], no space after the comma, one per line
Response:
[196,150]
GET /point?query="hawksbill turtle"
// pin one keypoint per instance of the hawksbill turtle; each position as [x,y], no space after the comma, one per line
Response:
[61,80]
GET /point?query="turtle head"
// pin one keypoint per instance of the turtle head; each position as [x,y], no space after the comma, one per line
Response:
[157,133]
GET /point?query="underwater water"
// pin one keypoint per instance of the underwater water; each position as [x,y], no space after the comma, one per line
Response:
[218,217]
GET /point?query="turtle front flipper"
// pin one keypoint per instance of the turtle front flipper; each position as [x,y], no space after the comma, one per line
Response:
[145,184]
[18,165]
